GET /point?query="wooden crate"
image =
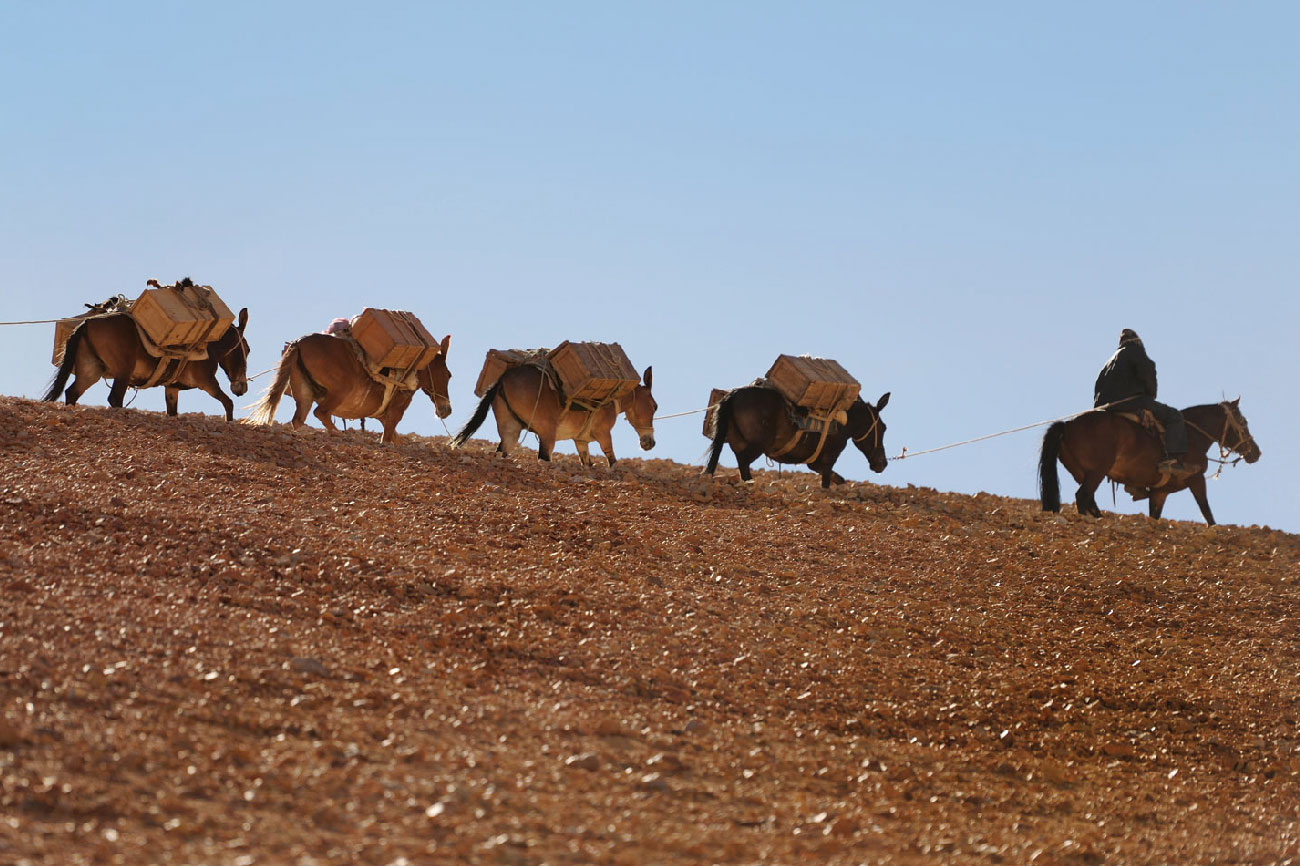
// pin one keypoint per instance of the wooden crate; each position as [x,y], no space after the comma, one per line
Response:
[63,329]
[500,360]
[817,384]
[394,338]
[593,373]
[182,315]
[711,413]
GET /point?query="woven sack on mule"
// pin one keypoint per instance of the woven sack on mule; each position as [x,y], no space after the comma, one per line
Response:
[592,374]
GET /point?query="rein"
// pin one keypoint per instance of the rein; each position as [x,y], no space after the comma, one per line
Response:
[1229,425]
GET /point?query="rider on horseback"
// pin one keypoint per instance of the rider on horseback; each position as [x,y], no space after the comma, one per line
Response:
[1128,384]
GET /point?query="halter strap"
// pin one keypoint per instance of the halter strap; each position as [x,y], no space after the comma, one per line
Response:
[875,422]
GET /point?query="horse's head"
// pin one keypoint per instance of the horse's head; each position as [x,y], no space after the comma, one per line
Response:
[434,379]
[867,429]
[1236,432]
[232,354]
[640,407]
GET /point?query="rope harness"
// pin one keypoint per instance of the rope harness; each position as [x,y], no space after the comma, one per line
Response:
[547,374]
[399,380]
[826,421]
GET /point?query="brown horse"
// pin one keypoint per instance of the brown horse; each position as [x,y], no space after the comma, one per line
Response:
[755,421]
[1098,445]
[525,399]
[326,371]
[109,347]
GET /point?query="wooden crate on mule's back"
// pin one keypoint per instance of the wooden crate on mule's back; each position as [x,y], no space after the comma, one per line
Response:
[394,339]
[593,373]
[711,413]
[500,360]
[63,329]
[182,315]
[817,384]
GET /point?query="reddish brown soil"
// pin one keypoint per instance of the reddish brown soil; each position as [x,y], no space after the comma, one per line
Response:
[233,645]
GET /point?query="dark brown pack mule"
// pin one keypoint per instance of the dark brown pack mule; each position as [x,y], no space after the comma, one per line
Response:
[1098,445]
[758,421]
[328,372]
[525,398]
[109,347]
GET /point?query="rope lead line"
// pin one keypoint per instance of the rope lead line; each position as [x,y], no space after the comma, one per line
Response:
[904,455]
[681,414]
[34,322]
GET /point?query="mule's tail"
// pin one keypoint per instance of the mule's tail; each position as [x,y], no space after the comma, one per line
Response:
[263,411]
[476,420]
[721,426]
[60,379]
[1049,486]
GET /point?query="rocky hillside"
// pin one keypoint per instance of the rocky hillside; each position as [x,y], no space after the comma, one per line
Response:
[233,645]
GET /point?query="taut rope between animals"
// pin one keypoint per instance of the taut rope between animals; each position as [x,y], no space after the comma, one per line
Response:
[905,453]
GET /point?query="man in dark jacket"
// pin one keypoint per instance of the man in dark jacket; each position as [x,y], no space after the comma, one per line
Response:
[1128,384]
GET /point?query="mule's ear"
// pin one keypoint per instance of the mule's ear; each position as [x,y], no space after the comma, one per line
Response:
[446,341]
[648,376]
[243,319]
[882,402]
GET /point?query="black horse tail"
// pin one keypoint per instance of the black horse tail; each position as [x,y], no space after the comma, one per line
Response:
[721,426]
[1049,486]
[69,362]
[476,420]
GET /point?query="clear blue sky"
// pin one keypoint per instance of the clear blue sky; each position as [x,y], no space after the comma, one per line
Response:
[961,202]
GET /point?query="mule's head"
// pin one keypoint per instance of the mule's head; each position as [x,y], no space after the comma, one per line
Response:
[434,380]
[1236,434]
[868,431]
[232,354]
[639,408]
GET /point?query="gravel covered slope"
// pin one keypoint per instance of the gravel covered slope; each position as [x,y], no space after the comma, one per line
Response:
[234,645]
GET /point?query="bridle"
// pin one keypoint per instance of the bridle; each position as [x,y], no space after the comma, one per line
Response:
[620,409]
[1230,425]
[875,424]
[239,344]
[432,391]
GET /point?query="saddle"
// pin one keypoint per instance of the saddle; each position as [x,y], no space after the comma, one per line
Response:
[1145,419]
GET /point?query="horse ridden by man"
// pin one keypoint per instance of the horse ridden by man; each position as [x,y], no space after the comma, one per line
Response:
[110,347]
[1152,449]
[758,420]
[526,397]
[328,371]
